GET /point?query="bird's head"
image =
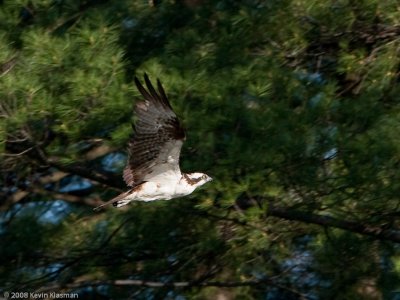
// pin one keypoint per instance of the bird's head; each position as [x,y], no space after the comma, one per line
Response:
[197,179]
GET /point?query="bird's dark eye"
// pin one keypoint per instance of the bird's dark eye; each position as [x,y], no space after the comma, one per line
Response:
[204,176]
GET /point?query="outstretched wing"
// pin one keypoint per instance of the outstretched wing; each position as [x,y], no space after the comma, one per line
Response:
[158,137]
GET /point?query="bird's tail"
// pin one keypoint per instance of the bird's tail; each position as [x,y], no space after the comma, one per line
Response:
[116,202]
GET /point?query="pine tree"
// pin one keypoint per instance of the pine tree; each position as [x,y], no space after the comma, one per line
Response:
[292,106]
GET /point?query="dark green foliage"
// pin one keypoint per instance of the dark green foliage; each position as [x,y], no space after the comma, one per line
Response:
[292,106]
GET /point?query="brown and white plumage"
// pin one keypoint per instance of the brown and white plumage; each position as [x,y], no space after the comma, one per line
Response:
[157,136]
[153,171]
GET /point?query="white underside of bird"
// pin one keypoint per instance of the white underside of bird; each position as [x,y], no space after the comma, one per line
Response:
[170,187]
[165,182]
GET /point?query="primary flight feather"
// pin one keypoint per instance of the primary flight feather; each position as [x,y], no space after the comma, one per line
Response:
[153,171]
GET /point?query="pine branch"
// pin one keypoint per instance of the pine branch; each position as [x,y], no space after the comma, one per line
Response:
[78,259]
[66,170]
[328,221]
[86,172]
[89,201]
[290,214]
[7,66]
[175,284]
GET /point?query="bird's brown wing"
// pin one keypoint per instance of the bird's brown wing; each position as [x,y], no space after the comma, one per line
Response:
[158,136]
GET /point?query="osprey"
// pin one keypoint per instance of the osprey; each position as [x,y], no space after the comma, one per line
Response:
[152,171]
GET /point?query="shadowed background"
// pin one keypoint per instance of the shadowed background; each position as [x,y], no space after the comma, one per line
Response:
[291,106]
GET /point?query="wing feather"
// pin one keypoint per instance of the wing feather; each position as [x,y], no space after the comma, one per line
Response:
[158,137]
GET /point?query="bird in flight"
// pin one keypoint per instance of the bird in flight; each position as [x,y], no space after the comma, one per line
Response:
[152,171]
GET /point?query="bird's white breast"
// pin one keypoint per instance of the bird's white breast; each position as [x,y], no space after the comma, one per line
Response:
[165,190]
